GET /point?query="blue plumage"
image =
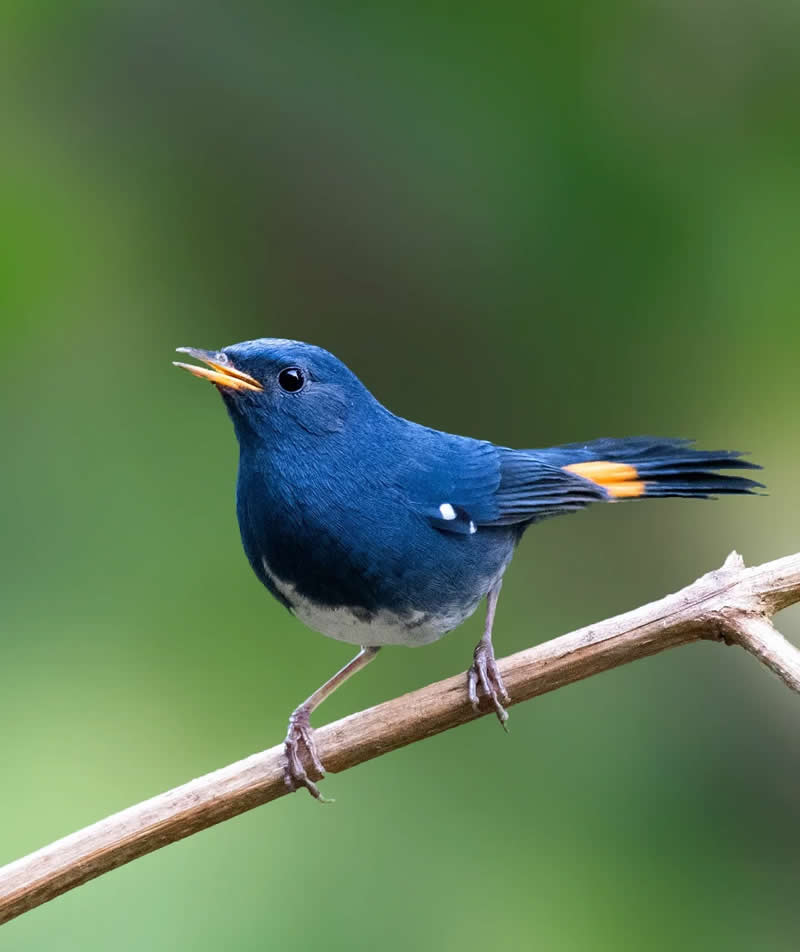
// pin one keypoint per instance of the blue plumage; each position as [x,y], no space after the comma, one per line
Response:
[376,530]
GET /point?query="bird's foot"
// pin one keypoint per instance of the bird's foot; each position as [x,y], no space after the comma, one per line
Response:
[484,675]
[300,737]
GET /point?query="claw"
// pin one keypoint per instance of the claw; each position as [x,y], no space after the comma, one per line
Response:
[294,774]
[472,688]
[484,672]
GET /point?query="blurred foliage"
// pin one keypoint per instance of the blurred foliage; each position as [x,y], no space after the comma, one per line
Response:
[533,223]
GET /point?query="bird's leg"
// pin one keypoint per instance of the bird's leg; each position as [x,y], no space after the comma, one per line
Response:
[300,732]
[484,673]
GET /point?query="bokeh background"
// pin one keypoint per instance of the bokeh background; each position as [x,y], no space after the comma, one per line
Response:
[536,224]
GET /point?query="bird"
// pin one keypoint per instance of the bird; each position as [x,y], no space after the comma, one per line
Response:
[375,530]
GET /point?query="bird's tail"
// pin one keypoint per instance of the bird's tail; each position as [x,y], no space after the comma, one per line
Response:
[648,466]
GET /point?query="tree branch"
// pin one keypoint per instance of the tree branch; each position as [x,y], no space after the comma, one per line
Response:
[733,604]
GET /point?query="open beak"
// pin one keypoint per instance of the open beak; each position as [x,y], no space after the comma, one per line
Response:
[219,369]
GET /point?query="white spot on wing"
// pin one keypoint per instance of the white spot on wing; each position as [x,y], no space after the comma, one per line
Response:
[472,528]
[447,511]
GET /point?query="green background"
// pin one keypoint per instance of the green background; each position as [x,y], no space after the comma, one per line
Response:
[533,224]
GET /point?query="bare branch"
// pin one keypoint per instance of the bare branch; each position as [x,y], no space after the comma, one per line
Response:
[732,604]
[757,634]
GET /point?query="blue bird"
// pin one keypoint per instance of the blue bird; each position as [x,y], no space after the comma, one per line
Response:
[377,531]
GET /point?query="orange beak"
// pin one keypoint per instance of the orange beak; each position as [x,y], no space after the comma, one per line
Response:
[218,370]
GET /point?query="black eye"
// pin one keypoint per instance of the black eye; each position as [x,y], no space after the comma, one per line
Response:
[292,379]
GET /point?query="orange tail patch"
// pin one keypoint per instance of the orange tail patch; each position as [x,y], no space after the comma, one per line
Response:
[619,480]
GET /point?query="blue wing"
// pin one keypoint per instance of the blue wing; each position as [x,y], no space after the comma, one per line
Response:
[460,485]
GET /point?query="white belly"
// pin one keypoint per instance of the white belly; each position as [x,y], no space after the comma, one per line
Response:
[371,629]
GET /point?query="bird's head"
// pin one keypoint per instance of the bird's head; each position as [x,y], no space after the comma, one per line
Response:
[280,388]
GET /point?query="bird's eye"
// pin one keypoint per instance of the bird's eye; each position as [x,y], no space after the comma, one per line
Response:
[292,379]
